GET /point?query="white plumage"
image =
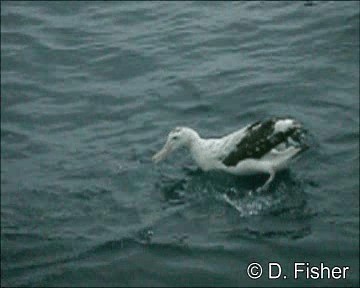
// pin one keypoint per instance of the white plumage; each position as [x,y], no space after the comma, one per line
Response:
[262,147]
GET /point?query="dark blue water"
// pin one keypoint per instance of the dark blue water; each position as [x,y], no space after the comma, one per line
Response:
[89,91]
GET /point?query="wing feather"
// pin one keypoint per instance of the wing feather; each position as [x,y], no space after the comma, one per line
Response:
[259,139]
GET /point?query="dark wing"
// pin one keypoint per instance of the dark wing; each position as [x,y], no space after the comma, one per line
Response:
[260,138]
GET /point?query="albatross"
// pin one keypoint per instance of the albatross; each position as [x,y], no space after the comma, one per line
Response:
[262,147]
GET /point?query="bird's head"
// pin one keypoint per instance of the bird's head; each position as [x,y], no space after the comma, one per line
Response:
[177,138]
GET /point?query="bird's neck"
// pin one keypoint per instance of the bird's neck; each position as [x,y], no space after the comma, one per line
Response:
[197,147]
[194,140]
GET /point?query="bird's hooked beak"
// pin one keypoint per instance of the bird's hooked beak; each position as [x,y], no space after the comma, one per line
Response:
[163,153]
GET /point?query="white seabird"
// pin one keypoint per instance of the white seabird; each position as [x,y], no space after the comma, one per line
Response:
[261,147]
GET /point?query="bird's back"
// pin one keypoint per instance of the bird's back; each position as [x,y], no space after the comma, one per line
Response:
[260,137]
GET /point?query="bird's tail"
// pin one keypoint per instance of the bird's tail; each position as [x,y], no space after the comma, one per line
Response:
[281,159]
[300,150]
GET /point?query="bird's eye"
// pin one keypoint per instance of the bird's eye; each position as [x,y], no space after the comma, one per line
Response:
[175,137]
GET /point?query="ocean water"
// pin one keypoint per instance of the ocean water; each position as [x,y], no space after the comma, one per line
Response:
[89,91]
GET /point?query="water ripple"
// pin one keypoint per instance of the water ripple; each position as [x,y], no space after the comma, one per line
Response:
[89,92]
